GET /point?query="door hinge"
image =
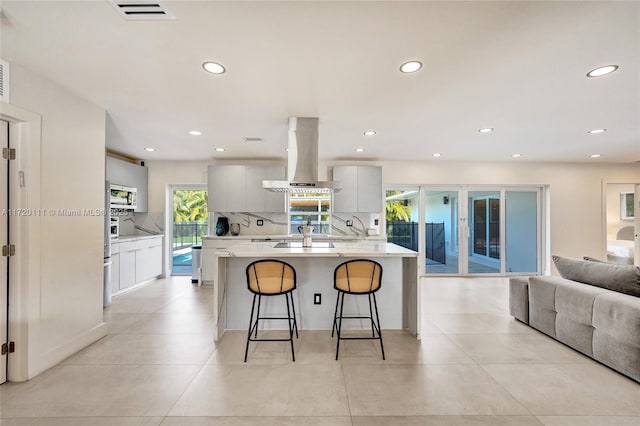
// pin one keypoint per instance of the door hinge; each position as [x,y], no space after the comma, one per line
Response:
[9,153]
[9,250]
[8,348]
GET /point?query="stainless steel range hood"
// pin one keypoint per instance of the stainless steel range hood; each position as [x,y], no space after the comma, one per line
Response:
[302,167]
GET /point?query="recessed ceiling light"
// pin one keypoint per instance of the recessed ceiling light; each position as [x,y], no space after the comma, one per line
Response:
[359,150]
[195,132]
[411,66]
[437,154]
[595,156]
[213,67]
[599,72]
[486,130]
[150,149]
[516,155]
[595,131]
[369,133]
[220,149]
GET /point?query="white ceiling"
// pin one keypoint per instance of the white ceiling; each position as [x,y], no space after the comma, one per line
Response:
[518,67]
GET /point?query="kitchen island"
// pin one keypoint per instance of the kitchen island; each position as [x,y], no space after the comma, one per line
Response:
[398,298]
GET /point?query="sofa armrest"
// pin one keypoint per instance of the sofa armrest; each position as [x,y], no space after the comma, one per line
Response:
[519,298]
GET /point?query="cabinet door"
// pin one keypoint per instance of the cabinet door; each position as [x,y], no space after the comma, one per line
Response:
[127,269]
[140,181]
[275,202]
[124,173]
[236,188]
[255,195]
[115,273]
[346,200]
[216,188]
[148,263]
[369,189]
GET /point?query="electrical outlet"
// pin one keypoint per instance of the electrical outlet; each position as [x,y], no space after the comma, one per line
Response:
[259,222]
[349,222]
[376,222]
[317,298]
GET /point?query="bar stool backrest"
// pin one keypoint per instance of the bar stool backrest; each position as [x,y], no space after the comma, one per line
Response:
[358,276]
[270,277]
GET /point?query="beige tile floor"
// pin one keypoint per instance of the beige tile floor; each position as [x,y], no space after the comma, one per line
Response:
[475,365]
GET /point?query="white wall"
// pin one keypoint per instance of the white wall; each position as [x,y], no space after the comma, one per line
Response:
[614,223]
[67,293]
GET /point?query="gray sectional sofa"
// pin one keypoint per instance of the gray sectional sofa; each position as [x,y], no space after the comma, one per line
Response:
[599,322]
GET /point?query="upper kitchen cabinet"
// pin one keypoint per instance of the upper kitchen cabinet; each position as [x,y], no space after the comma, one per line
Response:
[239,189]
[258,198]
[120,172]
[361,189]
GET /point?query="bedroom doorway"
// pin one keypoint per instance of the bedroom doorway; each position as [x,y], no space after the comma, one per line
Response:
[622,222]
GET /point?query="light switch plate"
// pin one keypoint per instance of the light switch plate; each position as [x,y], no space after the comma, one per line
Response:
[259,222]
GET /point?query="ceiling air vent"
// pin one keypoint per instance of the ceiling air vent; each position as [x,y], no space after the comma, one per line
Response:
[253,139]
[142,10]
[4,81]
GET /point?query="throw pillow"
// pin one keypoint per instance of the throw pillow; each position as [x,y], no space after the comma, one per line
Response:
[620,278]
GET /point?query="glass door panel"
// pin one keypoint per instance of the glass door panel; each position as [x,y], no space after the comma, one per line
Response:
[441,232]
[521,217]
[484,232]
[402,207]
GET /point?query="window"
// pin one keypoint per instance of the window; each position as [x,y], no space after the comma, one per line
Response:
[310,206]
[627,205]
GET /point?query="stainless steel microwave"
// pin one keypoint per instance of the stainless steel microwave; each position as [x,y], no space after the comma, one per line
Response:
[123,197]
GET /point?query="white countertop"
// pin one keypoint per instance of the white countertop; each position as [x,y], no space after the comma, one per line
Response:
[341,249]
[283,237]
[125,238]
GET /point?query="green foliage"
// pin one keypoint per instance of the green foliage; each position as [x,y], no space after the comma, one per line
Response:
[396,210]
[189,206]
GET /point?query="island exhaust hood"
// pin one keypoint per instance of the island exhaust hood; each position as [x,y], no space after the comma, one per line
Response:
[302,166]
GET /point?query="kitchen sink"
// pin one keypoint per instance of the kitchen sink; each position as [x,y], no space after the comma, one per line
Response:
[298,244]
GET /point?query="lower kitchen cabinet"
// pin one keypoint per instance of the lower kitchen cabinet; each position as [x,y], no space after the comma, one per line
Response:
[135,261]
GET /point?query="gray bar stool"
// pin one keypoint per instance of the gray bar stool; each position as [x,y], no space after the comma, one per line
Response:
[359,277]
[270,277]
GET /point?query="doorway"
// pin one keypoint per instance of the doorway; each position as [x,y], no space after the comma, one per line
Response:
[622,222]
[190,222]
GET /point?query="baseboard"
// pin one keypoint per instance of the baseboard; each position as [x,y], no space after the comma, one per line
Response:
[58,354]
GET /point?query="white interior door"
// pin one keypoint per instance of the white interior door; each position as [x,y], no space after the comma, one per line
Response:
[4,236]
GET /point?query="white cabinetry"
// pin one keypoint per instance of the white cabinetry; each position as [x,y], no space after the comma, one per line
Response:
[239,189]
[361,189]
[128,174]
[135,260]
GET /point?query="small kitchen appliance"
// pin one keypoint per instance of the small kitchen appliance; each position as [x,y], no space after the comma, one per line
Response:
[306,232]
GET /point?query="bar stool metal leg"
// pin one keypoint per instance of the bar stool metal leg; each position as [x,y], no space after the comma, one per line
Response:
[295,321]
[291,326]
[339,323]
[246,350]
[335,316]
[375,303]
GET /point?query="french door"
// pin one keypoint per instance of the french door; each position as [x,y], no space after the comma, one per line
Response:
[470,230]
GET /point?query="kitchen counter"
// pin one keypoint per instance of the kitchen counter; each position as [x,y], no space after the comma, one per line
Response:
[127,238]
[398,298]
[340,249]
[257,237]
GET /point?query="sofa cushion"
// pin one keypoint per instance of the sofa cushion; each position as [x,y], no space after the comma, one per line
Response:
[542,303]
[620,278]
[519,298]
[574,319]
[616,338]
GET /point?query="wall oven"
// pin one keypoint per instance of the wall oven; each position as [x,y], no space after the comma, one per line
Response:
[123,197]
[114,227]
